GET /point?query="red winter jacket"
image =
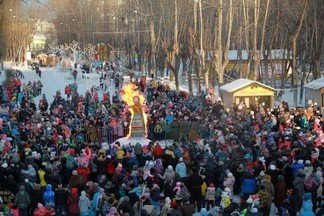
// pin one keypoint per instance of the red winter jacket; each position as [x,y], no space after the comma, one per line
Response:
[73,201]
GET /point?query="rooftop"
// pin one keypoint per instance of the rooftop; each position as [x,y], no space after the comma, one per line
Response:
[240,83]
[315,84]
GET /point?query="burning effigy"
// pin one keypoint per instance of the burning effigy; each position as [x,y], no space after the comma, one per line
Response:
[136,104]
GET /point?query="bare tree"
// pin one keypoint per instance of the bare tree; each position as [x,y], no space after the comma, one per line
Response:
[221,48]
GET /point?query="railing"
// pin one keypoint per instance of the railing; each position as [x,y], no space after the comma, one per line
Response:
[111,135]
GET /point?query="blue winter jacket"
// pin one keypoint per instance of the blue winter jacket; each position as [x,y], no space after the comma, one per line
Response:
[49,195]
[181,170]
[296,167]
[307,209]
[249,185]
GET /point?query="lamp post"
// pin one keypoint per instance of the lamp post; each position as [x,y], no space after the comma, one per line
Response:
[68,27]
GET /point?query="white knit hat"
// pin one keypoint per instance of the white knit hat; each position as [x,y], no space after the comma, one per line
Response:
[254,210]
[227,190]
[4,165]
[300,161]
[230,175]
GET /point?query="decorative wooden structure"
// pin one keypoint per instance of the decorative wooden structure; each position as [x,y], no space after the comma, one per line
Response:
[315,92]
[249,91]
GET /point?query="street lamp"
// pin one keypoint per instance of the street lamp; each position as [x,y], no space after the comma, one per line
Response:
[69,29]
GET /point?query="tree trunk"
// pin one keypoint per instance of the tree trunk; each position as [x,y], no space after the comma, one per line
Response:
[190,69]
[294,62]
[255,54]
[266,75]
[198,84]
[221,52]
[218,44]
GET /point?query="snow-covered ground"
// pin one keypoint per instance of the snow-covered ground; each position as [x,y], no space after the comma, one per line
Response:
[54,80]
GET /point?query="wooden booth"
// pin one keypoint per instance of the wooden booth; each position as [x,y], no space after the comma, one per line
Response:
[315,92]
[251,92]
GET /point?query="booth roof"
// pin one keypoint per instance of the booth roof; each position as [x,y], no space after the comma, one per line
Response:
[315,84]
[241,83]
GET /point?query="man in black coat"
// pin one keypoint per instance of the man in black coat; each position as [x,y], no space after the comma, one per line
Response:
[194,183]
[61,196]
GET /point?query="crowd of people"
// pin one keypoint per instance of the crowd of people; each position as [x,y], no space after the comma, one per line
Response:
[221,161]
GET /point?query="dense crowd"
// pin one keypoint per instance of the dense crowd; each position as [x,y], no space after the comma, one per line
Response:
[221,161]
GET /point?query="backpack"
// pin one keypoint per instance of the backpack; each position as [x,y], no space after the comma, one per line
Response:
[22,200]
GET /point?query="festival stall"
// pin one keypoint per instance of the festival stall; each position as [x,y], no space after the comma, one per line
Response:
[252,93]
[315,92]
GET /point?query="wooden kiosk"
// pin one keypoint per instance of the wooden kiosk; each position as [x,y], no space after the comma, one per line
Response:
[315,92]
[251,92]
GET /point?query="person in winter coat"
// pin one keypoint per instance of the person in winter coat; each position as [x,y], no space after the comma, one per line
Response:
[297,193]
[234,206]
[73,202]
[41,174]
[168,176]
[238,174]
[61,196]
[308,168]
[48,196]
[35,196]
[125,207]
[181,169]
[158,166]
[319,179]
[289,177]
[195,182]
[266,182]
[22,201]
[265,201]
[84,204]
[299,183]
[188,209]
[273,172]
[307,206]
[84,172]
[101,161]
[168,179]
[210,196]
[280,193]
[296,166]
[74,74]
[76,180]
[138,151]
[96,199]
[40,210]
[248,185]
[120,153]
[229,181]
[157,151]
[210,170]
[30,173]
